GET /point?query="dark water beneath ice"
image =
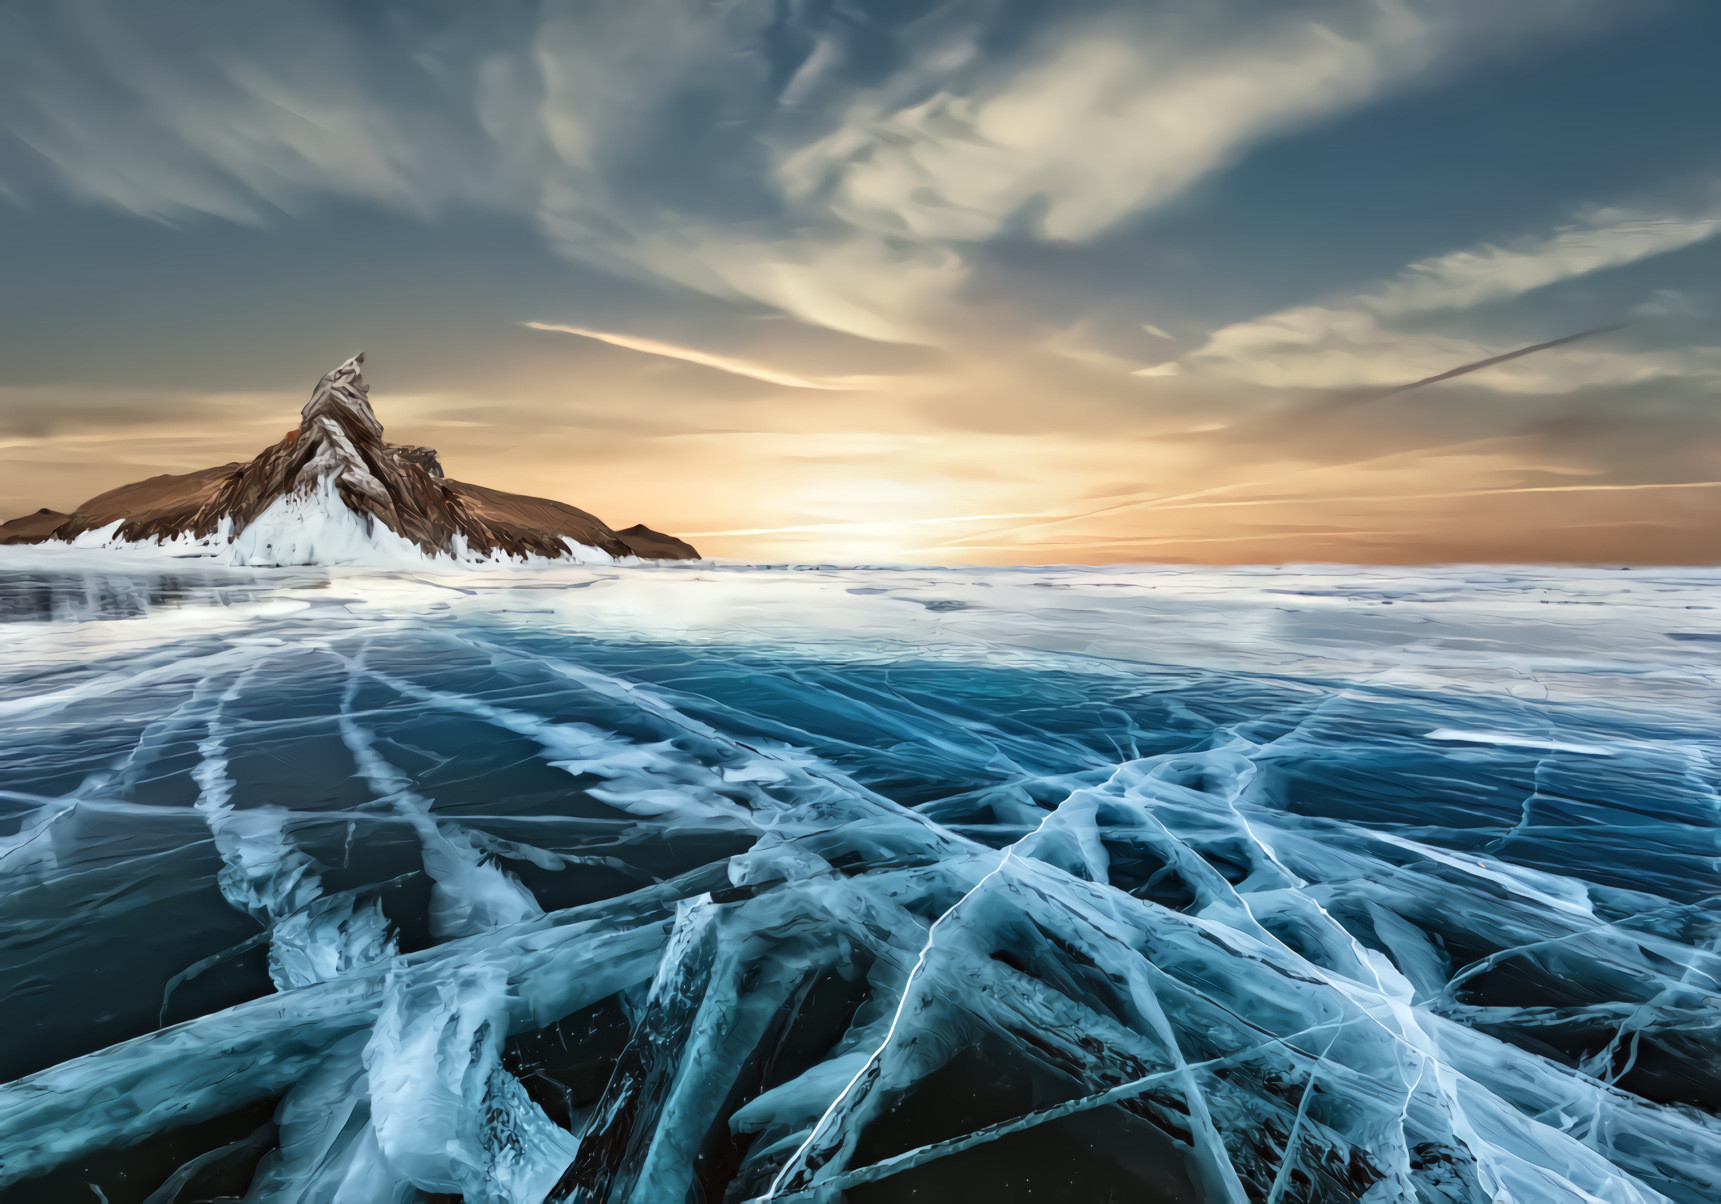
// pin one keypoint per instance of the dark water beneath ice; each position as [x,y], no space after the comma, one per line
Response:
[878,885]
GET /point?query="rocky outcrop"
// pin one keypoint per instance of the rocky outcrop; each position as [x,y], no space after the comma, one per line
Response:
[157,508]
[32,528]
[537,524]
[647,544]
[336,458]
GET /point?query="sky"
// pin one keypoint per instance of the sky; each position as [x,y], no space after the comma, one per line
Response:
[925,281]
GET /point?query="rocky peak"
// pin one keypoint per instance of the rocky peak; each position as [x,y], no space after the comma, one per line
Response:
[337,422]
[342,393]
[335,467]
[337,453]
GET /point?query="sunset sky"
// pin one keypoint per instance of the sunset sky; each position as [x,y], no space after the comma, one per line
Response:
[1000,281]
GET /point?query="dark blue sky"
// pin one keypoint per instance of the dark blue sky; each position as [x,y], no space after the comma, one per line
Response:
[867,270]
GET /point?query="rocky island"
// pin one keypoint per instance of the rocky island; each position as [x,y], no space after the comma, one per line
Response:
[330,489]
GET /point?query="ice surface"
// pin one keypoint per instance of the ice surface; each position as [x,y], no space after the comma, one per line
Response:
[730,883]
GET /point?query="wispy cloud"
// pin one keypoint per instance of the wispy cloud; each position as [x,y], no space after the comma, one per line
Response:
[847,202]
[1598,239]
[1364,340]
[722,363]
[1105,121]
[240,116]
[857,525]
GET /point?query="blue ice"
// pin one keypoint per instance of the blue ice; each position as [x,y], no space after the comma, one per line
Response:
[753,884]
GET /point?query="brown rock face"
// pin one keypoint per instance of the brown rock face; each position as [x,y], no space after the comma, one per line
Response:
[157,508]
[337,454]
[515,520]
[32,528]
[647,544]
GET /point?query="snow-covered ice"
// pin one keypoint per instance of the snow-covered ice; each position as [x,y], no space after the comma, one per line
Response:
[736,883]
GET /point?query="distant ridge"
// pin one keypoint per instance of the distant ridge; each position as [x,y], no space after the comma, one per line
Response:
[327,486]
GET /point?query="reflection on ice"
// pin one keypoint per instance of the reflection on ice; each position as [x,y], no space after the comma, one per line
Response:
[767,885]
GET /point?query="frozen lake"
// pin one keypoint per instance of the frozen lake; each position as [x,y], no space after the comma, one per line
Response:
[879,884]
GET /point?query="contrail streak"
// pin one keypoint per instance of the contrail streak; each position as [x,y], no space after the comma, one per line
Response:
[1498,359]
[1341,402]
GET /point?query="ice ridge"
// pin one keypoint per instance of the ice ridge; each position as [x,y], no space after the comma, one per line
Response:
[515,891]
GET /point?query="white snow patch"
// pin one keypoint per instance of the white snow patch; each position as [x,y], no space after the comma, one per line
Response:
[1506,740]
[318,528]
